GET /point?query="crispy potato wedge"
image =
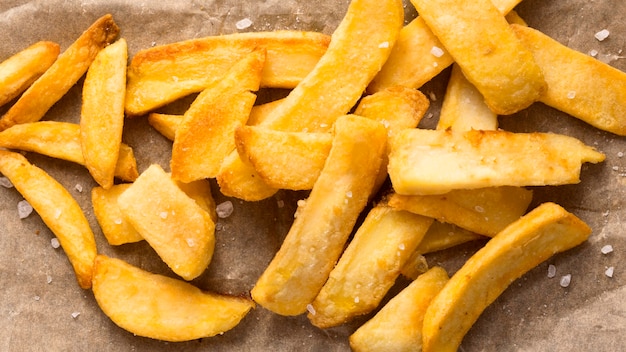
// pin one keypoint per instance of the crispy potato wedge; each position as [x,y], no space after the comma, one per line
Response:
[285,160]
[116,229]
[58,210]
[206,135]
[200,192]
[238,178]
[418,55]
[463,106]
[61,140]
[386,332]
[162,74]
[484,211]
[176,227]
[543,232]
[423,162]
[19,71]
[323,225]
[70,66]
[369,266]
[487,50]
[160,307]
[102,112]
[578,84]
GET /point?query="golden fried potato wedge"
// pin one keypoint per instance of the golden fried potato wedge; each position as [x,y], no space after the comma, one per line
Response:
[491,56]
[159,75]
[463,106]
[58,210]
[418,55]
[19,71]
[423,162]
[102,112]
[323,225]
[238,178]
[70,66]
[61,140]
[206,135]
[116,229]
[200,192]
[484,211]
[160,307]
[398,325]
[285,160]
[414,266]
[578,84]
[543,232]
[176,227]
[369,266]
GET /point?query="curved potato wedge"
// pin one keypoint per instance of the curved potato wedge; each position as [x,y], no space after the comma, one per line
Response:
[19,71]
[61,140]
[58,210]
[538,235]
[70,66]
[162,74]
[160,307]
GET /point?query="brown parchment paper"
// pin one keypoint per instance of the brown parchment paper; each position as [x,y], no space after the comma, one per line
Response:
[43,309]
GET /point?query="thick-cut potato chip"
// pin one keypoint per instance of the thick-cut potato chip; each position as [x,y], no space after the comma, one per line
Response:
[58,210]
[398,325]
[162,74]
[543,232]
[369,266]
[491,56]
[160,307]
[578,84]
[324,223]
[102,113]
[70,66]
[61,140]
[206,135]
[418,55]
[19,71]
[485,211]
[176,227]
[115,228]
[425,162]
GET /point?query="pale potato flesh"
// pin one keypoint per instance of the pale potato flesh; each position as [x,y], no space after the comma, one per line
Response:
[160,307]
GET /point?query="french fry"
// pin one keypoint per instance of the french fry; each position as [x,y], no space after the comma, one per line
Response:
[385,332]
[485,211]
[163,74]
[19,71]
[369,266]
[578,84]
[102,112]
[425,162]
[61,140]
[115,228]
[176,227]
[160,307]
[543,232]
[70,66]
[323,225]
[418,55]
[487,50]
[206,135]
[58,210]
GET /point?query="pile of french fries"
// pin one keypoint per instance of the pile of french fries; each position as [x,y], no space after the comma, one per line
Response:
[349,123]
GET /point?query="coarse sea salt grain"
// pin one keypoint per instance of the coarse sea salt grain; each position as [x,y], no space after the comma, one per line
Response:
[565,280]
[609,271]
[24,209]
[436,51]
[79,188]
[54,242]
[551,271]
[75,315]
[571,94]
[607,249]
[224,209]
[383,45]
[593,53]
[5,182]
[310,309]
[602,35]
[243,24]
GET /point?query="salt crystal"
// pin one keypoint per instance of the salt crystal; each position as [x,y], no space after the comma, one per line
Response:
[479,209]
[153,44]
[565,280]
[54,242]
[383,45]
[620,154]
[191,242]
[602,35]
[57,213]
[163,215]
[301,202]
[48,279]
[432,96]
[243,24]
[79,188]
[75,315]
[24,209]
[609,271]
[593,53]
[607,249]
[310,309]
[436,51]
[356,299]
[551,271]
[5,182]
[224,209]
[117,221]
[571,94]
[349,194]
[401,246]
[37,298]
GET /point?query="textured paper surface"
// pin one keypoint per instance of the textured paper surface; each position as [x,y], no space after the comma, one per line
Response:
[39,294]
